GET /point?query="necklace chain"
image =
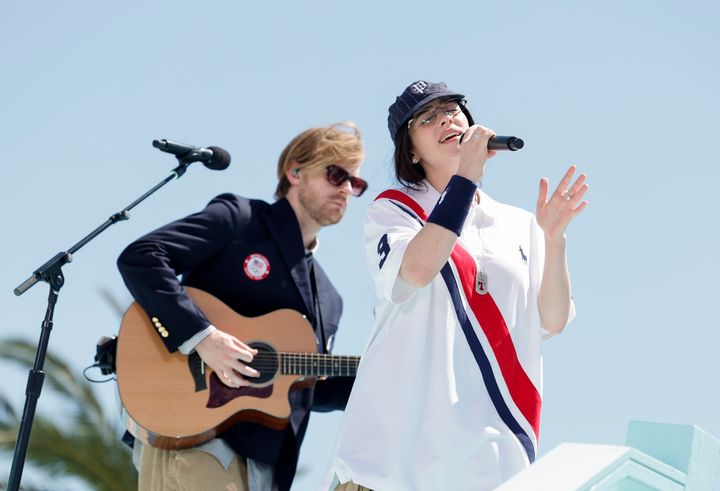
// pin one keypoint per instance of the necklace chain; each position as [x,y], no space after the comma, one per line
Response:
[481,279]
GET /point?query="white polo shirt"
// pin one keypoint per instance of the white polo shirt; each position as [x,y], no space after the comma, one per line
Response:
[448,391]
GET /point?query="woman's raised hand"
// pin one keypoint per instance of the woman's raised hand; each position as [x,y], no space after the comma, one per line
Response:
[555,214]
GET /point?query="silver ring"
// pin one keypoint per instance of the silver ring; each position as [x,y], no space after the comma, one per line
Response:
[566,195]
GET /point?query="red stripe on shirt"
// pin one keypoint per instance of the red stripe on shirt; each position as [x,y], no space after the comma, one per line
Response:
[522,390]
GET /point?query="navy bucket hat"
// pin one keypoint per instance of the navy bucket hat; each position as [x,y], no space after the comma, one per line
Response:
[415,96]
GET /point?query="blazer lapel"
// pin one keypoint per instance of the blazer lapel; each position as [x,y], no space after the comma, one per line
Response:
[285,230]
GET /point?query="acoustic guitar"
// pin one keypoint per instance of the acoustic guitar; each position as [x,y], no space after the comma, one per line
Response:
[174,401]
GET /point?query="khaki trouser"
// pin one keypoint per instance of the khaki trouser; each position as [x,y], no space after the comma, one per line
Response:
[189,470]
[351,486]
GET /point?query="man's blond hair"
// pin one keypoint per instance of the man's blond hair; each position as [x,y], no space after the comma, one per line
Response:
[326,145]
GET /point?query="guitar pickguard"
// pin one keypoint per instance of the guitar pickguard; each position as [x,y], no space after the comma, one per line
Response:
[221,394]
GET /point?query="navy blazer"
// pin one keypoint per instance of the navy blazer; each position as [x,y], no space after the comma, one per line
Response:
[209,250]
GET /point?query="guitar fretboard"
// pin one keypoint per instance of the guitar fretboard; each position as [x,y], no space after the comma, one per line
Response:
[319,365]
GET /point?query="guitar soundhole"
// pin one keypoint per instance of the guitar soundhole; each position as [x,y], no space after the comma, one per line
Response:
[266,362]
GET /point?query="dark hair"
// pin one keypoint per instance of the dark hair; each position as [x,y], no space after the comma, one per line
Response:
[407,173]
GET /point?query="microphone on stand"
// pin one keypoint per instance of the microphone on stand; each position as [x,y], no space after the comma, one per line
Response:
[214,158]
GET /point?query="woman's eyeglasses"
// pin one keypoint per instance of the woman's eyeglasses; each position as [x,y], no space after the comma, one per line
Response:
[337,176]
[427,116]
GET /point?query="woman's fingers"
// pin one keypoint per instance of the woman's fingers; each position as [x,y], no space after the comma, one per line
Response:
[577,193]
[542,193]
[562,186]
[577,184]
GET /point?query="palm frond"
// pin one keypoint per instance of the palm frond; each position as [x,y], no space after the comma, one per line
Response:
[103,462]
[8,417]
[24,486]
[58,374]
[83,444]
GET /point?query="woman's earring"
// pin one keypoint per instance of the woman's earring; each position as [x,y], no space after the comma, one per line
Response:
[415,160]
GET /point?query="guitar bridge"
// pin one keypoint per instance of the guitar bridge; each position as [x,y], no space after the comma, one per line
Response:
[197,371]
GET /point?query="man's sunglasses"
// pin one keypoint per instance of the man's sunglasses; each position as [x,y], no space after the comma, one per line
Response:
[337,176]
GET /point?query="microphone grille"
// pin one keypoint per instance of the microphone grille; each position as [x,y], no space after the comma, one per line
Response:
[515,143]
[220,159]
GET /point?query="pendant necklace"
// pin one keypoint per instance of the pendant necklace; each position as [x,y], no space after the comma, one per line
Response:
[481,283]
[481,279]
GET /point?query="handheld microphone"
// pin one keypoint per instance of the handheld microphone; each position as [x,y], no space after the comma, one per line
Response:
[498,142]
[214,158]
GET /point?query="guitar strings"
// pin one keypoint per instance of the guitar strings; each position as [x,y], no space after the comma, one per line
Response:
[310,361]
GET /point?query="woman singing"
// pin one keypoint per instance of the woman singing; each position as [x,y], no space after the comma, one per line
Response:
[448,394]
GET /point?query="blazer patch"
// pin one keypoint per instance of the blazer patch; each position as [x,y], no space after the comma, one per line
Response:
[256,267]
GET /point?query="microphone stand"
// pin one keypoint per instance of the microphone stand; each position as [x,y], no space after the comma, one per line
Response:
[51,273]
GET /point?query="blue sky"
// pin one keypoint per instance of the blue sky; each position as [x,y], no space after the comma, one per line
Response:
[626,90]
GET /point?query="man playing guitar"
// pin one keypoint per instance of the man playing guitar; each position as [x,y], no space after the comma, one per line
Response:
[256,258]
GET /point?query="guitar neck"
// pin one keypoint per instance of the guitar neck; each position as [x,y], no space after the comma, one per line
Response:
[319,365]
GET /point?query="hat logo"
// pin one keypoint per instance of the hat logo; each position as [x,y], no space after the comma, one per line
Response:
[418,87]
